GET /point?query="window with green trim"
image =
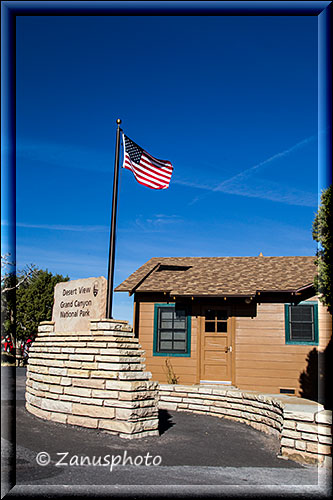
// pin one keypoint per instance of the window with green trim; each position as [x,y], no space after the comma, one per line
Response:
[172,330]
[301,323]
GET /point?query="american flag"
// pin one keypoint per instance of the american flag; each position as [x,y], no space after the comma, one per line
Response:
[149,171]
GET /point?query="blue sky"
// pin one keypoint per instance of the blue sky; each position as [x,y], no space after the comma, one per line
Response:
[231,101]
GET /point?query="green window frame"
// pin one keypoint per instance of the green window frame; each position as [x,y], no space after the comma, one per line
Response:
[295,322]
[167,345]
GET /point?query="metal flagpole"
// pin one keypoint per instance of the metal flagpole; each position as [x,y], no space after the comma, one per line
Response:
[112,247]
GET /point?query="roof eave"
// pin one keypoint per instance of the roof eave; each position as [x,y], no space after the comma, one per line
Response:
[305,288]
[289,291]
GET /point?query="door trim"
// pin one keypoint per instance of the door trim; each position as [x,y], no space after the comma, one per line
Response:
[231,333]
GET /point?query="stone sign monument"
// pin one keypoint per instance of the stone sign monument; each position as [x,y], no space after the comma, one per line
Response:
[89,371]
[77,302]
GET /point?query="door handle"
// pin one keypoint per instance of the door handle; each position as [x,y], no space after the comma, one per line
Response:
[228,349]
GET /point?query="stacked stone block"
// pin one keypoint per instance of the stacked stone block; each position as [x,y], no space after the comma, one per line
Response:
[307,436]
[92,379]
[303,427]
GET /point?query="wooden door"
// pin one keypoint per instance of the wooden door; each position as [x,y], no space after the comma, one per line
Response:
[215,344]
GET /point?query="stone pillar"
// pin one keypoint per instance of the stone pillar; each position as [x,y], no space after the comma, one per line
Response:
[92,379]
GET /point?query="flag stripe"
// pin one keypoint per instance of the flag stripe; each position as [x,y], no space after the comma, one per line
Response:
[145,166]
[146,176]
[159,163]
[147,169]
[147,182]
[144,172]
[162,170]
[150,185]
[155,171]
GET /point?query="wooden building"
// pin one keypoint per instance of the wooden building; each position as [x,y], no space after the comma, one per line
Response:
[250,322]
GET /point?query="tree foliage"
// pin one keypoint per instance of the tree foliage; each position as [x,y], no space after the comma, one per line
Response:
[8,282]
[322,233]
[30,303]
[11,280]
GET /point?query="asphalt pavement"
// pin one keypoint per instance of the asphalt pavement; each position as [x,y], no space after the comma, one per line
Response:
[192,450]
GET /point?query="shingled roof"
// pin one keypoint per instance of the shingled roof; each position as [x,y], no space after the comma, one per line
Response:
[214,276]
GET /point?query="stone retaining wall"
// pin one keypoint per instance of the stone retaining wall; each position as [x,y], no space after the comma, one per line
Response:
[92,379]
[96,379]
[307,436]
[303,426]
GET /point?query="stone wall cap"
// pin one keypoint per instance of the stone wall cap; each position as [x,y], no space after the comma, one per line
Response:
[108,320]
[64,333]
[303,408]
[324,417]
[300,404]
[290,404]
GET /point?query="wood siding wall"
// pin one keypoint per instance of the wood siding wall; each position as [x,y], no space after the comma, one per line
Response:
[263,360]
[184,367]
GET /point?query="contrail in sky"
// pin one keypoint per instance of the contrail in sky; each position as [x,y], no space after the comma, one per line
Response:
[228,184]
[245,173]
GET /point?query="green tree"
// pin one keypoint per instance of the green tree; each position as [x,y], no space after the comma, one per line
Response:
[8,287]
[10,282]
[34,302]
[29,303]
[322,233]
